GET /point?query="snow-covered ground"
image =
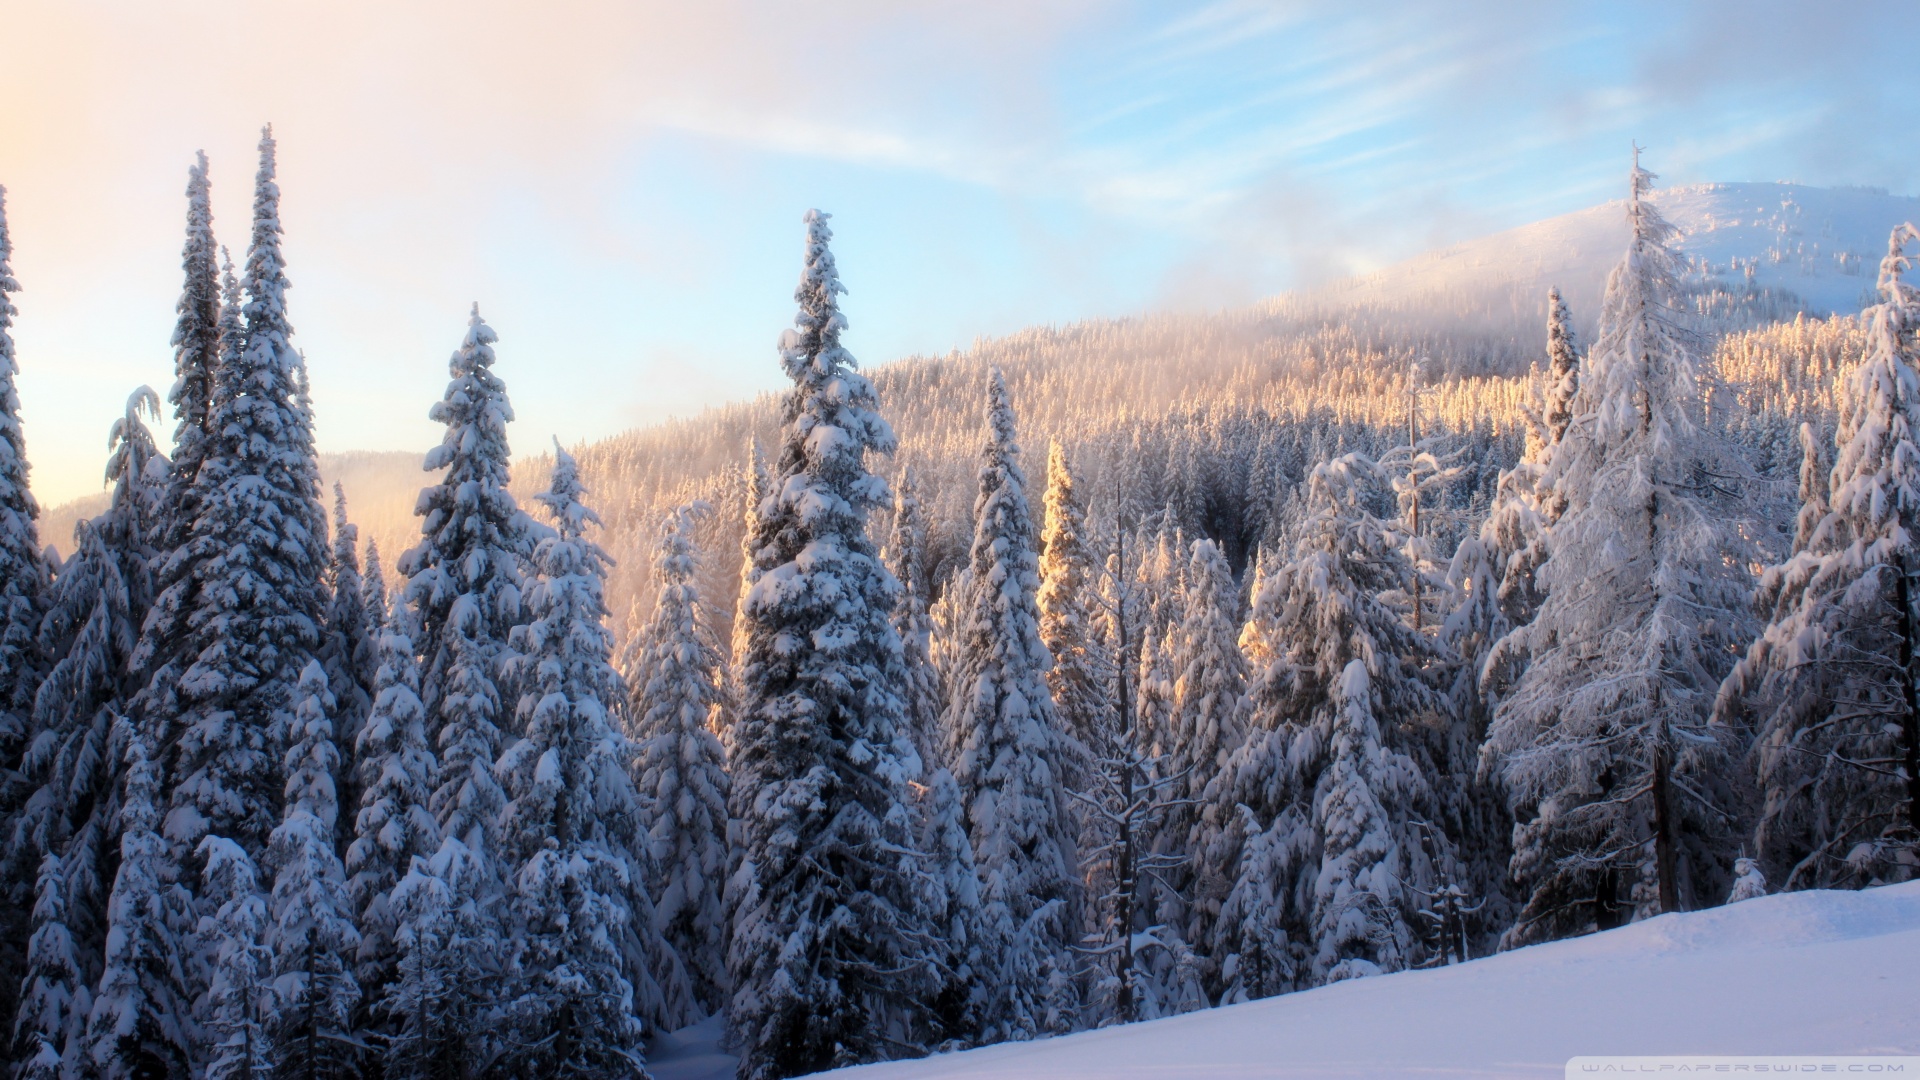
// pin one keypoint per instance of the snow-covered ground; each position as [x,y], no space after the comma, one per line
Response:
[1803,973]
[1822,244]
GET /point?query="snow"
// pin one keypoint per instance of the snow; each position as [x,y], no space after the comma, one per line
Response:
[1810,972]
[692,1053]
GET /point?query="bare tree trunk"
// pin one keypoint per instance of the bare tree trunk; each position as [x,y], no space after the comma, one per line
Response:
[1910,724]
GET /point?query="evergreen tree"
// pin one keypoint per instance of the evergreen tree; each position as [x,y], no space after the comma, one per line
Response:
[23,572]
[464,577]
[1831,683]
[1066,625]
[238,1003]
[676,683]
[312,938]
[69,773]
[1208,723]
[394,826]
[54,996]
[1341,598]
[448,966]
[907,554]
[1616,778]
[196,360]
[828,955]
[1009,754]
[568,827]
[1362,905]
[347,646]
[952,901]
[373,595]
[141,1024]
[245,597]
[23,600]
[1563,369]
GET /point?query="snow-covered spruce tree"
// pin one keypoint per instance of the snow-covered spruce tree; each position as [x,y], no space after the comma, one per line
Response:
[54,995]
[1618,781]
[23,585]
[448,968]
[1067,573]
[952,899]
[1362,903]
[1010,755]
[244,599]
[682,768]
[1208,723]
[1563,368]
[907,555]
[464,577]
[1831,686]
[196,359]
[141,1024]
[347,647]
[312,937]
[373,597]
[90,630]
[757,485]
[570,827]
[1340,598]
[829,951]
[69,774]
[396,772]
[1514,537]
[238,1005]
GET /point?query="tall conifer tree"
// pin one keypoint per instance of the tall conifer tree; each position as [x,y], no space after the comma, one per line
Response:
[828,953]
[1010,755]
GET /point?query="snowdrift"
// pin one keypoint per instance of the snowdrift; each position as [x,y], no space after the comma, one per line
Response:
[1802,973]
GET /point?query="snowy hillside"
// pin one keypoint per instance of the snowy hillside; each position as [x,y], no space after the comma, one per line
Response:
[1799,973]
[1821,244]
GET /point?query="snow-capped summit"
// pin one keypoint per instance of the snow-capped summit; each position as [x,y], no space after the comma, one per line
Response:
[1821,244]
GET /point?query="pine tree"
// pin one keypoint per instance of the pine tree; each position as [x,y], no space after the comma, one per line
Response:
[238,1002]
[1208,723]
[568,827]
[312,937]
[54,996]
[347,646]
[1831,684]
[1066,622]
[953,902]
[449,954]
[141,1024]
[1362,904]
[1341,598]
[827,954]
[464,577]
[1563,368]
[246,596]
[196,359]
[1009,754]
[1616,778]
[70,772]
[907,556]
[373,595]
[394,825]
[23,599]
[681,767]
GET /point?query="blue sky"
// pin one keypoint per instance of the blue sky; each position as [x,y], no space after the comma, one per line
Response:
[620,185]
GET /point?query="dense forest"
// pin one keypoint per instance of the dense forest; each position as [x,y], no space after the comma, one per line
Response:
[1318,643]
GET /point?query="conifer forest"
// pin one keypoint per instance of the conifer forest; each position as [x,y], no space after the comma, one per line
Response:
[1095,674]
